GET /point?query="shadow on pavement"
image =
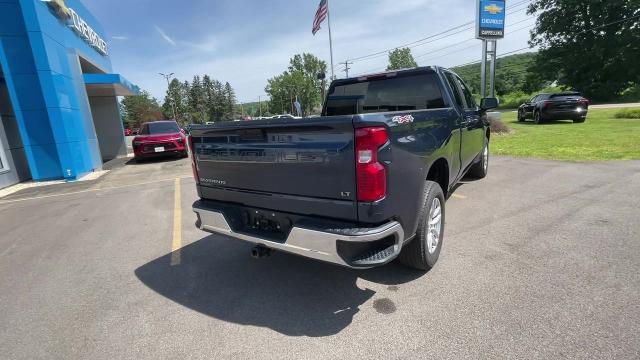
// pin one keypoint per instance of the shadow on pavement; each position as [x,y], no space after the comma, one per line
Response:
[288,294]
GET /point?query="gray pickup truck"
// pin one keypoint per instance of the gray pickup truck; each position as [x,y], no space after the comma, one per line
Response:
[359,186]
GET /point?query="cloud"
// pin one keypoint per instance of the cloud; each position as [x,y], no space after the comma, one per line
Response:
[122,38]
[165,36]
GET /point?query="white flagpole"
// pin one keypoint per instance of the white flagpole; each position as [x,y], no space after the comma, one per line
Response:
[330,40]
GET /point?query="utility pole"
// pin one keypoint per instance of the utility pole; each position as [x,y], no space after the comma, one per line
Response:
[260,104]
[171,97]
[346,67]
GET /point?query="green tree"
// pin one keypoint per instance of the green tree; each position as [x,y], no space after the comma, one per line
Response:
[511,74]
[401,59]
[208,92]
[197,101]
[218,102]
[175,92]
[229,102]
[587,45]
[204,99]
[139,109]
[301,81]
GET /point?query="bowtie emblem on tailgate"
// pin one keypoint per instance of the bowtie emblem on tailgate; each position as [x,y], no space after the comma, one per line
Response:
[404,119]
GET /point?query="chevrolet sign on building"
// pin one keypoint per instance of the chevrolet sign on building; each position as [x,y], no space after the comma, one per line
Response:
[79,25]
[59,116]
[490,19]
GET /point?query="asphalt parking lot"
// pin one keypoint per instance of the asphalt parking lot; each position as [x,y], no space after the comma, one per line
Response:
[540,260]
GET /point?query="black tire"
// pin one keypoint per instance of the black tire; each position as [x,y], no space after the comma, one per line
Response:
[480,169]
[537,118]
[521,117]
[416,253]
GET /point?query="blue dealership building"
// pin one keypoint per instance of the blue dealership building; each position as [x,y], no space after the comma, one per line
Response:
[59,116]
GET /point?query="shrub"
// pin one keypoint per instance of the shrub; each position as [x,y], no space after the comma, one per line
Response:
[628,114]
[498,127]
[514,100]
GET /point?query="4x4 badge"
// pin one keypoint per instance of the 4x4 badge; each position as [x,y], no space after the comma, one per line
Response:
[405,119]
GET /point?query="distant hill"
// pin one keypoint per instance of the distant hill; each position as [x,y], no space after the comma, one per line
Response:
[511,73]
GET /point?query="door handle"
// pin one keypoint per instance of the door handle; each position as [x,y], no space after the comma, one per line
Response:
[468,121]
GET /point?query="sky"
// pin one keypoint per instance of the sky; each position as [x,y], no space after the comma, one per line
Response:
[247,42]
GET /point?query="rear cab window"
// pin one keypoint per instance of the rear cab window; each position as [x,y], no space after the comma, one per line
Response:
[402,93]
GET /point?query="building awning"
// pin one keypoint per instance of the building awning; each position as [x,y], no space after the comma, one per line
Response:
[109,85]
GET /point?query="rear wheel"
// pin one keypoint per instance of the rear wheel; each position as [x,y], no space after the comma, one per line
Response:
[537,117]
[423,251]
[480,169]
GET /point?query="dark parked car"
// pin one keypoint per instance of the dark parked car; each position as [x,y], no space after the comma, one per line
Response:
[361,185]
[560,106]
[159,138]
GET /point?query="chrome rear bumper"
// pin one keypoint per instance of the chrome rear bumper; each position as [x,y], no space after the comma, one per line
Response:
[320,245]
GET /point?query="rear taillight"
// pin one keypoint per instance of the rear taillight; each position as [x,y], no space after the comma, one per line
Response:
[546,104]
[584,102]
[194,165]
[371,174]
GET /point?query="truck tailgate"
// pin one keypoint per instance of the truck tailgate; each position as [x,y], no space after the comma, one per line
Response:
[311,158]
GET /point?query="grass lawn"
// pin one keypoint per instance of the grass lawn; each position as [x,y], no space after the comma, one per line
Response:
[601,137]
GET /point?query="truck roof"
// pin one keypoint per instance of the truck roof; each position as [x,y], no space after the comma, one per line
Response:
[420,69]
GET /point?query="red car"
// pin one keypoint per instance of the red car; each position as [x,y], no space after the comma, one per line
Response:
[160,138]
[128,132]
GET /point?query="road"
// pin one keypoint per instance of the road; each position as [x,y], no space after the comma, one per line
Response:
[540,260]
[614,106]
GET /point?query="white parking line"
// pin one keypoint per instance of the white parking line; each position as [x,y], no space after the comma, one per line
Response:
[2,202]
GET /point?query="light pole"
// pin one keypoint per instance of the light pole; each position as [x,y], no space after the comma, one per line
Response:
[173,100]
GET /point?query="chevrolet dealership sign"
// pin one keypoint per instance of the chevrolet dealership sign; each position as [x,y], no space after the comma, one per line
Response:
[490,19]
[78,25]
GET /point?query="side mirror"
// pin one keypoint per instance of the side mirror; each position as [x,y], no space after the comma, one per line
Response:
[489,103]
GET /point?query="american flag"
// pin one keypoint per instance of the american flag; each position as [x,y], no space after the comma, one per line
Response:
[321,14]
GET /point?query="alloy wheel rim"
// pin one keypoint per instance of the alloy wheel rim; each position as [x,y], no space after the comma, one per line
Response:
[434,226]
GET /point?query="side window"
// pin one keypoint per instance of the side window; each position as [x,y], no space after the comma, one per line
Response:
[468,97]
[535,98]
[454,89]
